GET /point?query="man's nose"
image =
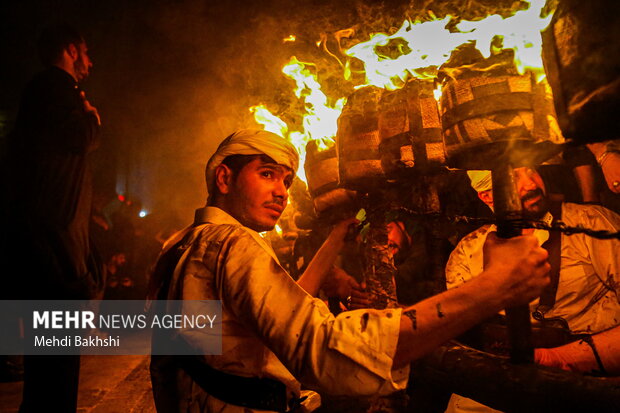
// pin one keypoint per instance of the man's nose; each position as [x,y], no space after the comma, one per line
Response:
[280,190]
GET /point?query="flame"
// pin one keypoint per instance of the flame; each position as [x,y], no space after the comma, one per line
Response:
[271,123]
[290,38]
[437,92]
[521,32]
[418,49]
[320,120]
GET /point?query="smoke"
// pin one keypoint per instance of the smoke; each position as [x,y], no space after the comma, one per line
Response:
[173,78]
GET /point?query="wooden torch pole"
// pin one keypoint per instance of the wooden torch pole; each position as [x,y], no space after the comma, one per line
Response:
[507,205]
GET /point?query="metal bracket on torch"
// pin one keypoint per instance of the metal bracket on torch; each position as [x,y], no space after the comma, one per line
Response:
[508,212]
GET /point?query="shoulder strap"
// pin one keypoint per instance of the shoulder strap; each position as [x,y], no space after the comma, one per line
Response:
[554,247]
[162,275]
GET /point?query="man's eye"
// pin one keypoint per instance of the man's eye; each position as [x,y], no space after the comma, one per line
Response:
[267,174]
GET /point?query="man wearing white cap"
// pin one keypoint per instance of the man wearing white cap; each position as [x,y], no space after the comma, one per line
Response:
[584,294]
[275,334]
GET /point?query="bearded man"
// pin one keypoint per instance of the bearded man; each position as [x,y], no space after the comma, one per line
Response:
[276,336]
[585,279]
[50,192]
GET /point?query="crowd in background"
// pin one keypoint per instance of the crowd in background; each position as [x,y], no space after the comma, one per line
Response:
[128,240]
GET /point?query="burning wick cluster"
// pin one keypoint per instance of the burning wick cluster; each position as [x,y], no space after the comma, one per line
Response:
[423,48]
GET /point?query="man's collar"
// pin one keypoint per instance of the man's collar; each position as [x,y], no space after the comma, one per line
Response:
[60,72]
[214,215]
[66,72]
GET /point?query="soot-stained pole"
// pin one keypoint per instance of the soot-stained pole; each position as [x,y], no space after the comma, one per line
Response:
[507,205]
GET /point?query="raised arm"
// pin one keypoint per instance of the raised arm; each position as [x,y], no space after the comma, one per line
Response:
[322,262]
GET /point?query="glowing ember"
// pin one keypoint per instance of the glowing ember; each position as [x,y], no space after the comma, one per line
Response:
[290,38]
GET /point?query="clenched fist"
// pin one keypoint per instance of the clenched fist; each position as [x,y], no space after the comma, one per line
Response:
[516,267]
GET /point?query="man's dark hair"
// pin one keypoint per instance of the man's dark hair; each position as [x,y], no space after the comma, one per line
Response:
[54,40]
[237,162]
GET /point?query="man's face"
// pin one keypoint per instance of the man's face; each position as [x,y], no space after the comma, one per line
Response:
[399,242]
[531,190]
[82,64]
[532,193]
[259,194]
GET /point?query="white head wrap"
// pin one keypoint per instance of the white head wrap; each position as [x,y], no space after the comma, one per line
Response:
[252,142]
[480,180]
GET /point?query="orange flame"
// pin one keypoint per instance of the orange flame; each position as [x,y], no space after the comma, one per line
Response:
[422,47]
[415,50]
[320,120]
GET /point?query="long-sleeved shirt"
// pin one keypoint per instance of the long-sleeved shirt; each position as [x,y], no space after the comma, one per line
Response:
[588,294]
[271,327]
[51,189]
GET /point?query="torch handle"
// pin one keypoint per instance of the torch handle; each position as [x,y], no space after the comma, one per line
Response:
[518,317]
[520,334]
[507,204]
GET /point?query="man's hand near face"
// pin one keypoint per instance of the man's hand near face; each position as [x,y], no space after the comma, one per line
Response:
[90,108]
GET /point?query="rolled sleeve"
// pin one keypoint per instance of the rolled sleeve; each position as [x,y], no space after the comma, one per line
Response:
[369,338]
[347,355]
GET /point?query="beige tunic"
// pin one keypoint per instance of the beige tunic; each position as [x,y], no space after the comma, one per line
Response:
[271,327]
[589,285]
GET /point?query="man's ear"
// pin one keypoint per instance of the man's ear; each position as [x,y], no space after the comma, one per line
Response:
[223,178]
[72,51]
[486,197]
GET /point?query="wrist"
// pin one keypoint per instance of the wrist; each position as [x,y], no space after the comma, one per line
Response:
[487,291]
[590,342]
[336,242]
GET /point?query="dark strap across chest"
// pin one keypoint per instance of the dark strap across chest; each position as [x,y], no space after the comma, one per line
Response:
[250,392]
[554,247]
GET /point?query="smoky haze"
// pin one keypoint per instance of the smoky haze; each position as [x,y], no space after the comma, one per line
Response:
[172,78]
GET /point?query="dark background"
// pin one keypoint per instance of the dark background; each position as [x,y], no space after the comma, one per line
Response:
[172,78]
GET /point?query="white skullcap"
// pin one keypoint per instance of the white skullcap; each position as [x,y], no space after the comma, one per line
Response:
[252,142]
[480,180]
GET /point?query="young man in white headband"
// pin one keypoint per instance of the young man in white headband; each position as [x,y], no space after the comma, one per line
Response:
[275,334]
